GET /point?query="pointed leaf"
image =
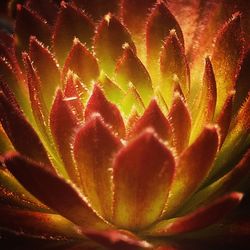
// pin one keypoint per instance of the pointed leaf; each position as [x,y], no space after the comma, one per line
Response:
[229,182]
[224,117]
[82,62]
[114,239]
[206,102]
[65,32]
[46,68]
[63,197]
[108,41]
[46,9]
[180,121]
[132,100]
[199,219]
[141,189]
[23,30]
[63,124]
[227,53]
[27,142]
[154,118]
[36,224]
[72,91]
[235,143]
[132,21]
[111,89]
[159,24]
[130,69]
[109,112]
[242,87]
[173,63]
[98,8]
[94,148]
[192,168]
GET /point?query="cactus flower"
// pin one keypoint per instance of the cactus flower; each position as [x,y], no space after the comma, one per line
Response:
[125,123]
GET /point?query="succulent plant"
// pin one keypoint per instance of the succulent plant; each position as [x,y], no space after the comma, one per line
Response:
[125,124]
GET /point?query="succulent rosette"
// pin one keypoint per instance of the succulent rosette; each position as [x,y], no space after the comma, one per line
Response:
[125,124]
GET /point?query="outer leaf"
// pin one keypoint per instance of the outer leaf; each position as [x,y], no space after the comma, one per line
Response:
[37,224]
[82,62]
[242,81]
[192,168]
[63,124]
[23,30]
[63,197]
[108,41]
[199,219]
[27,142]
[94,149]
[98,8]
[109,112]
[46,68]
[65,32]
[226,56]
[130,69]
[141,189]
[114,239]
[207,101]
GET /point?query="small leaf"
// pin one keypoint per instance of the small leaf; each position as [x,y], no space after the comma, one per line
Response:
[94,148]
[153,118]
[81,62]
[141,190]
[180,122]
[173,63]
[65,32]
[158,27]
[129,68]
[108,111]
[108,41]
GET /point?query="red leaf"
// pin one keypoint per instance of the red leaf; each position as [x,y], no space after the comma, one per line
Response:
[180,121]
[27,142]
[63,124]
[98,8]
[65,32]
[94,148]
[108,41]
[82,62]
[141,190]
[173,63]
[63,198]
[129,69]
[47,69]
[199,219]
[193,166]
[154,118]
[29,24]
[109,112]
